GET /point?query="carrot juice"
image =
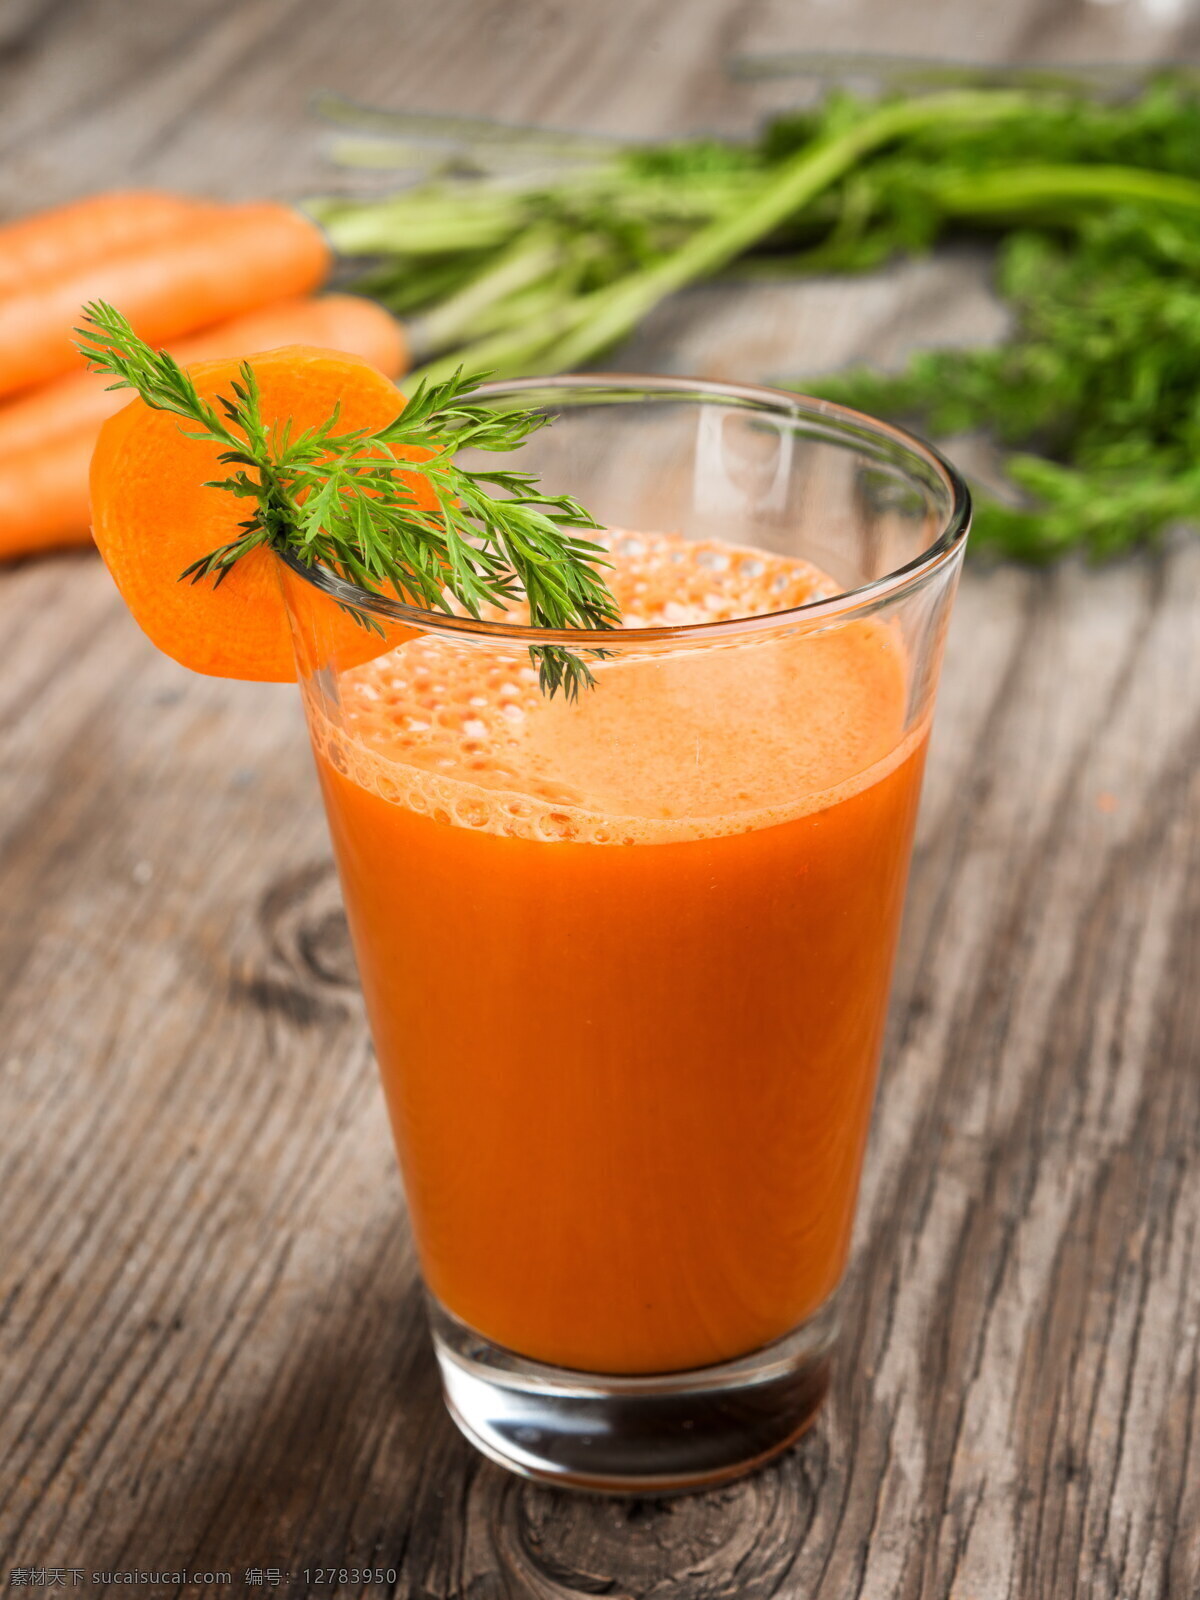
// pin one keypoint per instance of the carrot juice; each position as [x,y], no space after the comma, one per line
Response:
[626,961]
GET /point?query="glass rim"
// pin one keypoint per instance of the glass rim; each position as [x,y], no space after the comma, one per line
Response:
[900,580]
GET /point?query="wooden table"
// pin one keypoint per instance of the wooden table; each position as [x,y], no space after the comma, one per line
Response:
[213,1354]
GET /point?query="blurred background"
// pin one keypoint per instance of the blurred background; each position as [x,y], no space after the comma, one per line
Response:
[532,189]
[213,95]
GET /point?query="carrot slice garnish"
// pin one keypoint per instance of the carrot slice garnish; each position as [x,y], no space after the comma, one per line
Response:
[153,516]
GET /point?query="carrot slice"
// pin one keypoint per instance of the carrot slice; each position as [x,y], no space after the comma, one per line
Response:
[229,262]
[152,517]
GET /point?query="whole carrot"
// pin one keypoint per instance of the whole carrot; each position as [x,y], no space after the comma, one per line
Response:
[47,437]
[44,495]
[345,322]
[229,262]
[334,321]
[58,241]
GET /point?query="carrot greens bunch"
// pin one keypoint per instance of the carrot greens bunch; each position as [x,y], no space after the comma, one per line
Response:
[534,252]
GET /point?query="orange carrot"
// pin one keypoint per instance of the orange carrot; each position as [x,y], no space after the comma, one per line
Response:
[56,242]
[46,438]
[228,263]
[344,322]
[44,495]
[333,322]
[155,512]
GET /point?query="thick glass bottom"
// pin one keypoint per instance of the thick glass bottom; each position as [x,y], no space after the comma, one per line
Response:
[660,1434]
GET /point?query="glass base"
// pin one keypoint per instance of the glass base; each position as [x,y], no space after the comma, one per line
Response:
[662,1434]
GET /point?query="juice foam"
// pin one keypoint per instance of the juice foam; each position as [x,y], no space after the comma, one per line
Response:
[660,751]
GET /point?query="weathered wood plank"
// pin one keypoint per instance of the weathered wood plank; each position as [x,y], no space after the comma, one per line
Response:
[950,31]
[210,1317]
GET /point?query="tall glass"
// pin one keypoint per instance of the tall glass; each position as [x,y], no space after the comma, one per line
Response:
[626,960]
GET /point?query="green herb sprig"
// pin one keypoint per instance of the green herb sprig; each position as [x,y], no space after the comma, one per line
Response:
[343,500]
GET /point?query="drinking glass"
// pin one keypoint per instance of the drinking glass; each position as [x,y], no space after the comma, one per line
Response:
[626,958]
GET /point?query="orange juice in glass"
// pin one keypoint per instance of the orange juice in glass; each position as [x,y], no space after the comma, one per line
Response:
[626,959]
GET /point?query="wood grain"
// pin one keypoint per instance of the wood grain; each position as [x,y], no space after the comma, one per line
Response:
[213,1354]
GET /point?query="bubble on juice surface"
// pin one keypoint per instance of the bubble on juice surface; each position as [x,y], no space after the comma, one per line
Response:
[662,580]
[458,729]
